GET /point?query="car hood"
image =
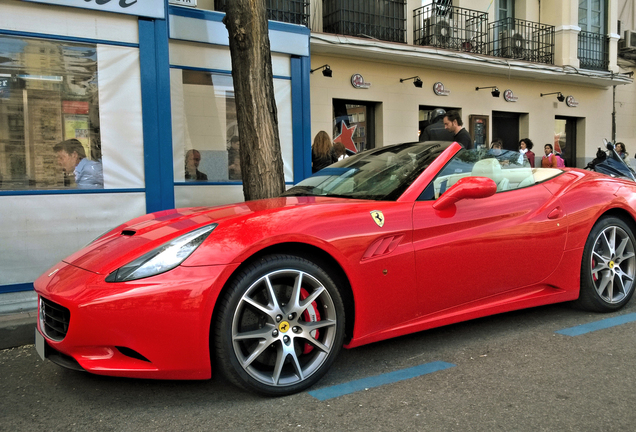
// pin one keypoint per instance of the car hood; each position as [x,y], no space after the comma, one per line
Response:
[141,235]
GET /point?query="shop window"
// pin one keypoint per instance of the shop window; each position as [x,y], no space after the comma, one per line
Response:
[48,94]
[353,124]
[206,141]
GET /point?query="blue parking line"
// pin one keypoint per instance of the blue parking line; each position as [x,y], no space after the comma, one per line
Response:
[598,325]
[379,380]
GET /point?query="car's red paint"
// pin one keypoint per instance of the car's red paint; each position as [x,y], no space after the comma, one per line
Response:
[423,268]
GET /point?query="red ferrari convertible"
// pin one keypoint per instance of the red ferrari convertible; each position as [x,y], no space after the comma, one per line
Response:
[391,241]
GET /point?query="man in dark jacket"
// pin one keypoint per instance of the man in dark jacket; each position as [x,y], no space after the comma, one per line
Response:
[453,123]
[435,131]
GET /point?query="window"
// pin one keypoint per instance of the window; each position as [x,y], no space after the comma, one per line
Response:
[206,141]
[48,94]
[353,124]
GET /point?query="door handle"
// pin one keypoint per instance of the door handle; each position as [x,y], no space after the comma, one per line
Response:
[556,213]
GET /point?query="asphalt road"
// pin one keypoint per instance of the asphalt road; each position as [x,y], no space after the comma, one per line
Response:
[511,372]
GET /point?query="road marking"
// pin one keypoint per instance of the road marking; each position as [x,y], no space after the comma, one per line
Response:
[598,325]
[379,380]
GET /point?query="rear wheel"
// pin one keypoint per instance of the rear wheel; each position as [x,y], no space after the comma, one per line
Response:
[609,266]
[280,326]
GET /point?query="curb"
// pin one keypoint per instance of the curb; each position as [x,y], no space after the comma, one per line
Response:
[17,329]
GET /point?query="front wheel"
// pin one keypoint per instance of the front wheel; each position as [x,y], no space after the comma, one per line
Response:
[609,266]
[280,326]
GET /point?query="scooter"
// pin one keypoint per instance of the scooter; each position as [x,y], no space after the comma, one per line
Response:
[609,162]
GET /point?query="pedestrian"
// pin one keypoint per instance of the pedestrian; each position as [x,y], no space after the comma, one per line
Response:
[525,149]
[322,153]
[453,123]
[549,160]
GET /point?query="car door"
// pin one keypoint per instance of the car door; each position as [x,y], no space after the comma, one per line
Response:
[484,247]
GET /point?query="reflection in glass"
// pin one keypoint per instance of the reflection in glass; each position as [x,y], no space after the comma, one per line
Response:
[48,94]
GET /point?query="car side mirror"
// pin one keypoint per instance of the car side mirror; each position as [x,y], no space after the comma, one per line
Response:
[466,188]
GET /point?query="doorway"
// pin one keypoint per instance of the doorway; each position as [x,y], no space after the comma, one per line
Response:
[505,127]
[565,139]
[424,112]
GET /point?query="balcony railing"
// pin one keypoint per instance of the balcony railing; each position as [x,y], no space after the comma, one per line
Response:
[593,51]
[289,11]
[381,19]
[451,27]
[523,40]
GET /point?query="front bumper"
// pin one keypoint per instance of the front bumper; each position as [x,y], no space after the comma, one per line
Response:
[157,327]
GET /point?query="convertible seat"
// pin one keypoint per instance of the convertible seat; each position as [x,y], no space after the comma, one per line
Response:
[491,168]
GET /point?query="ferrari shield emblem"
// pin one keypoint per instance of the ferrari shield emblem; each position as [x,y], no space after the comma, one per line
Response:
[377,217]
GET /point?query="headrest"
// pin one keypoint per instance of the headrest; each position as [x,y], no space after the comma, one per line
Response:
[490,168]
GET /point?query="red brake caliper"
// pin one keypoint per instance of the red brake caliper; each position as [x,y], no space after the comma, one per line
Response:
[311,314]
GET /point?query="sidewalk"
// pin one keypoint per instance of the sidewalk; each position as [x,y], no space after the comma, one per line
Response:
[17,329]
[18,316]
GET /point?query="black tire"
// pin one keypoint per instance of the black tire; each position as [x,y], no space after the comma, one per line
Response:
[280,326]
[608,268]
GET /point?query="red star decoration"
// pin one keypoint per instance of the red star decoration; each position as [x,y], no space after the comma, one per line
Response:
[345,137]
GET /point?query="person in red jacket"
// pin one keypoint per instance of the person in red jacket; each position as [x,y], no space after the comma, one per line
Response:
[525,148]
[549,160]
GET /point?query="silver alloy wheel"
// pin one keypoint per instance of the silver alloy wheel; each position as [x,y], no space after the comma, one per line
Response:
[613,264]
[284,327]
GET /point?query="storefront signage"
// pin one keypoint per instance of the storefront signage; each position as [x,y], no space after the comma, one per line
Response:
[439,90]
[358,82]
[144,8]
[509,96]
[189,3]
[74,107]
[571,102]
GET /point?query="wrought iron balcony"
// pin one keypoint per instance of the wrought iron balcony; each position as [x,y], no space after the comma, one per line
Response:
[593,51]
[451,27]
[523,40]
[381,19]
[289,11]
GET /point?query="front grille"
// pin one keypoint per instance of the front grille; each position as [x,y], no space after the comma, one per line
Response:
[54,319]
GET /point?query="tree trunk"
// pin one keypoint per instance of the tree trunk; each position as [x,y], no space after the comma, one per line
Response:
[260,154]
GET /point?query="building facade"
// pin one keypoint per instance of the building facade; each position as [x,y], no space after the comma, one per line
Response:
[552,65]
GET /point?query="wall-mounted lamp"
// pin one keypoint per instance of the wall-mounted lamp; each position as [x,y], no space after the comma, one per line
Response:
[495,91]
[560,96]
[326,71]
[417,82]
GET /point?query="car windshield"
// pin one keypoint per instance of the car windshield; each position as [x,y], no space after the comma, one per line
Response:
[378,174]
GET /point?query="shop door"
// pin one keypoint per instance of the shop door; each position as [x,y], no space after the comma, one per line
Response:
[425,111]
[505,126]
[565,139]
[354,124]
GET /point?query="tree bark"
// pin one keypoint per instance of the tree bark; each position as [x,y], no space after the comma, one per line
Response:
[260,154]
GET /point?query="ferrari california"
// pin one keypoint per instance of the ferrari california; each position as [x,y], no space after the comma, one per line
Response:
[390,241]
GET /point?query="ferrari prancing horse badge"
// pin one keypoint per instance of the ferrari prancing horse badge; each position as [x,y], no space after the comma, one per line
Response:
[377,217]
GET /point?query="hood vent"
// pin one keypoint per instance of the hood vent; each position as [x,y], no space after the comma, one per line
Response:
[128,233]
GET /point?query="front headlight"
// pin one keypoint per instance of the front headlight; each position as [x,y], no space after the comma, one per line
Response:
[164,258]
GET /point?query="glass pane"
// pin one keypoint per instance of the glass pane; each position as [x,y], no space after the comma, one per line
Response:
[595,21]
[211,142]
[347,126]
[596,5]
[49,95]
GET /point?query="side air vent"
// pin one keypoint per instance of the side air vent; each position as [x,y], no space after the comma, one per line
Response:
[128,352]
[128,233]
[382,246]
